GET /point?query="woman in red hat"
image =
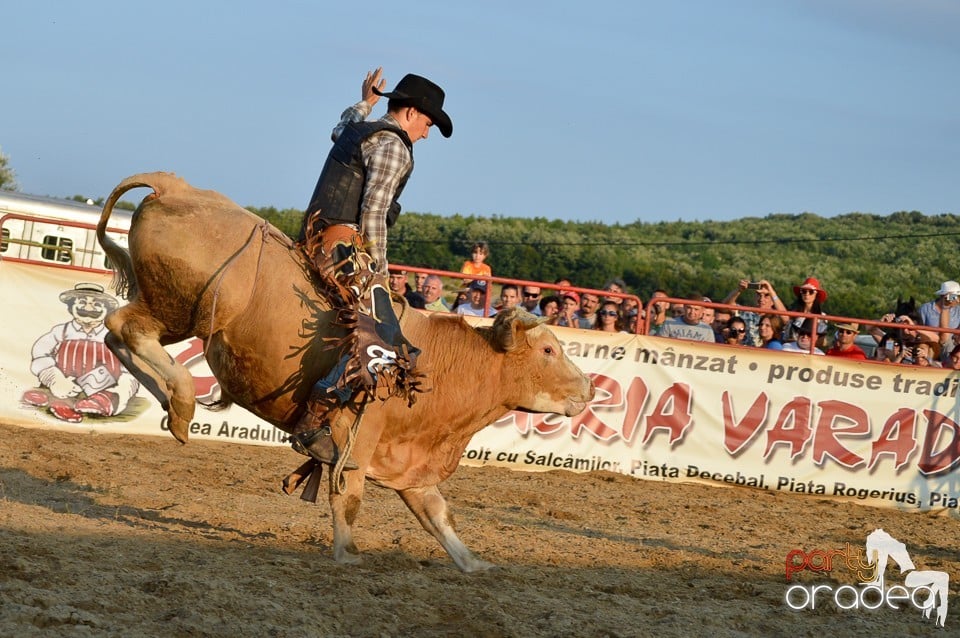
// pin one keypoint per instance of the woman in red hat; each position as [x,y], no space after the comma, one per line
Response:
[810,296]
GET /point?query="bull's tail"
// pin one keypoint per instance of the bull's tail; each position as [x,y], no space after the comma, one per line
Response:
[124,279]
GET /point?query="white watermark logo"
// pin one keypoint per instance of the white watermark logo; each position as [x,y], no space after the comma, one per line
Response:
[924,590]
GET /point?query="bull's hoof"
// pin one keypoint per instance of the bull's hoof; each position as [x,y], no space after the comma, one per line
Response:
[345,557]
[179,429]
[179,415]
[476,565]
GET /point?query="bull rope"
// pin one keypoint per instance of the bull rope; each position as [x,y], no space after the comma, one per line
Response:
[339,484]
[264,227]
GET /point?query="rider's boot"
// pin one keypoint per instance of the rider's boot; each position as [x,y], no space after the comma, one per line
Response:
[316,440]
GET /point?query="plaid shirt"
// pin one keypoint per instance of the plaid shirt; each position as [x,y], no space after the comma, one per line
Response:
[387,161]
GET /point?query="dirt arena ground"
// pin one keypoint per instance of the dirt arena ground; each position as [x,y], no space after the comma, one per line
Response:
[108,535]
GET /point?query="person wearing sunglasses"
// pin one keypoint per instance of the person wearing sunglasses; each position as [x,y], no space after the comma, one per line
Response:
[804,342]
[608,317]
[808,297]
[736,332]
[844,345]
[530,299]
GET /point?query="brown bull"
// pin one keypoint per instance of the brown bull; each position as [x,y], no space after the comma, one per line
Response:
[200,265]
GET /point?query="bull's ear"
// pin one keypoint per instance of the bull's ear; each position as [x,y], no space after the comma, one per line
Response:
[509,326]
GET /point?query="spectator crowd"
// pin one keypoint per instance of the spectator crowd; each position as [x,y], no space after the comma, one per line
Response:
[752,315]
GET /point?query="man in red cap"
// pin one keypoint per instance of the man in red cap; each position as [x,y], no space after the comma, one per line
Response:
[344,234]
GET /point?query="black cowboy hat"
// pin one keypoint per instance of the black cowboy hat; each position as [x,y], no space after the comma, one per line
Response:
[425,96]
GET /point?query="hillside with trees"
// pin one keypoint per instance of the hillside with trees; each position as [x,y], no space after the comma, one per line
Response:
[864,261]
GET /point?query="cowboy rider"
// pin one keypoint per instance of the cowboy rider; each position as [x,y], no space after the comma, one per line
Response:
[344,234]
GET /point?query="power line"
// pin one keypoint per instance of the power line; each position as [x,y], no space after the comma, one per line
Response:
[711,242]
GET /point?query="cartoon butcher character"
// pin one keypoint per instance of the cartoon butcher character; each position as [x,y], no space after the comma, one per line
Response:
[78,374]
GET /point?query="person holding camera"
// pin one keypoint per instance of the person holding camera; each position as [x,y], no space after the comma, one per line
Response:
[658,311]
[909,330]
[919,350]
[735,332]
[890,349]
[943,312]
[927,353]
[766,298]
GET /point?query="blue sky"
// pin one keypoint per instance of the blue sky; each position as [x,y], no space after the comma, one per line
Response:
[585,111]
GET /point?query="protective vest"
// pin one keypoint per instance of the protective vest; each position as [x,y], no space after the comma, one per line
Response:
[339,191]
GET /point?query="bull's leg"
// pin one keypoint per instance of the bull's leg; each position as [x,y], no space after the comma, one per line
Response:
[345,507]
[138,368]
[430,508]
[137,339]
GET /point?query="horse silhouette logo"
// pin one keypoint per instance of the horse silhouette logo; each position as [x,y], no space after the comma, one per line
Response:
[882,547]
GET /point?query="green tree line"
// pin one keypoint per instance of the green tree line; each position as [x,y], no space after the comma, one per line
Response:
[865,262]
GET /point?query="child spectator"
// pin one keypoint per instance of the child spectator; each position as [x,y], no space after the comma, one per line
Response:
[570,303]
[550,306]
[476,264]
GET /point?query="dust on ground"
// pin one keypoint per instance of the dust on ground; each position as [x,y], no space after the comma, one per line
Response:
[112,535]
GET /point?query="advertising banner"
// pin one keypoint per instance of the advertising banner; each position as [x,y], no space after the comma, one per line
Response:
[665,409]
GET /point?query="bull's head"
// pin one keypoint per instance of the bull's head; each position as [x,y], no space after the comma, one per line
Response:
[544,378]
